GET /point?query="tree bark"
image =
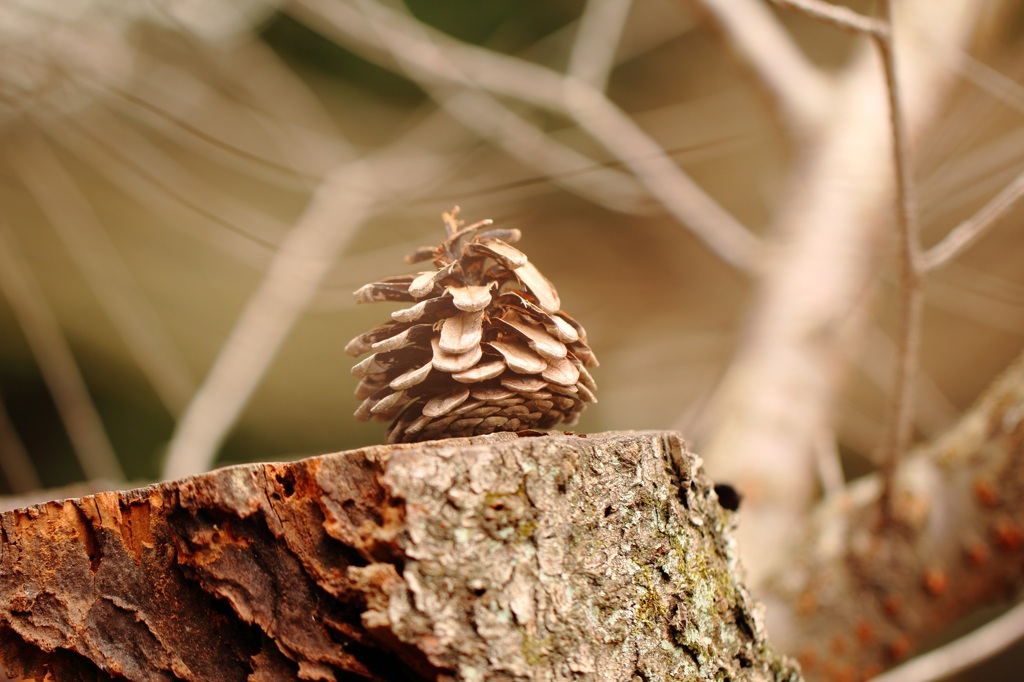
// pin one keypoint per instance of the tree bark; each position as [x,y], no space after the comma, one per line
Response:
[502,557]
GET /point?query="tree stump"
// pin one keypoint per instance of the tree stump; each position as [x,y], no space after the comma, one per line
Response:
[503,557]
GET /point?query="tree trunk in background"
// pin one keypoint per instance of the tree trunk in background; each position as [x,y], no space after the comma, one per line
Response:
[494,558]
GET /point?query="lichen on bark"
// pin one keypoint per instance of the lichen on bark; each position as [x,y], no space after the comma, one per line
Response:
[563,558]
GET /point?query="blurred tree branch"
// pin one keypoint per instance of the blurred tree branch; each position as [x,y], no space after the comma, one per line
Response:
[828,235]
[798,88]
[428,54]
[51,350]
[954,543]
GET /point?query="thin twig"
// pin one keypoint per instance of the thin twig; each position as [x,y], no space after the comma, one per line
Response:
[71,215]
[15,461]
[960,654]
[597,37]
[841,17]
[781,388]
[969,231]
[161,197]
[304,131]
[522,140]
[984,77]
[829,464]
[492,120]
[900,419]
[304,258]
[56,362]
[876,359]
[979,296]
[433,59]
[284,104]
[974,177]
[185,131]
[147,159]
[342,202]
[799,89]
[684,199]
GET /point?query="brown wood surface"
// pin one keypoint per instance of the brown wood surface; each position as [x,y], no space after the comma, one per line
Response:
[548,557]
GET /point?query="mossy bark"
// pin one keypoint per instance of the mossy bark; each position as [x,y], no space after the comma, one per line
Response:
[550,557]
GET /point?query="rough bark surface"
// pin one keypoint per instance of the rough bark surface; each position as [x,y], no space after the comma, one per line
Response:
[551,557]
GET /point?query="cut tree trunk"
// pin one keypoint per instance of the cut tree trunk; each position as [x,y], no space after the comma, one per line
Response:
[504,557]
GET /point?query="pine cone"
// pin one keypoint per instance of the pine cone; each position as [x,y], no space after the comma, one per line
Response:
[484,348]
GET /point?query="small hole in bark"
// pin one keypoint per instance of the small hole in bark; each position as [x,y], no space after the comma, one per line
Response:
[684,498]
[740,615]
[478,591]
[383,664]
[728,496]
[287,481]
[608,511]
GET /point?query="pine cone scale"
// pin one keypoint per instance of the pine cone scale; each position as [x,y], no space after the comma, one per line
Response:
[538,339]
[561,372]
[492,394]
[470,298]
[411,378]
[461,333]
[454,362]
[519,357]
[523,384]
[382,291]
[445,403]
[409,337]
[481,372]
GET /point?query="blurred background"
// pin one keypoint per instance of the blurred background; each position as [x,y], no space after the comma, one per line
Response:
[190,191]
[156,155]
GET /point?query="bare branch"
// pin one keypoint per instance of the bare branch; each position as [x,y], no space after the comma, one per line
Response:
[296,271]
[979,296]
[432,55]
[779,391]
[173,177]
[517,137]
[829,465]
[988,80]
[841,17]
[958,548]
[342,202]
[71,215]
[126,165]
[177,128]
[680,195]
[56,362]
[900,420]
[15,461]
[961,237]
[799,89]
[279,99]
[877,361]
[489,118]
[960,654]
[597,37]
